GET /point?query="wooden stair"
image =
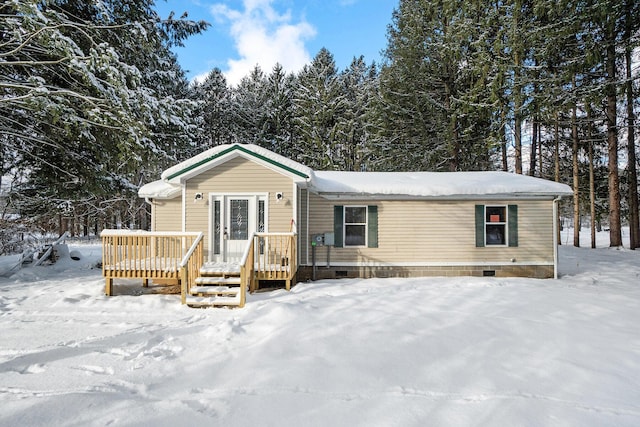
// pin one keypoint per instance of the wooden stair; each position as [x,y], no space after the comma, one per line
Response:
[217,286]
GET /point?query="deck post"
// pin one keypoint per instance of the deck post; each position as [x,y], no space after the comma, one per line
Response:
[108,287]
[145,283]
[183,284]
[243,286]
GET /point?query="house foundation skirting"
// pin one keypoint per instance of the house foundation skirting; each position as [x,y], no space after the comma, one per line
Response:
[337,272]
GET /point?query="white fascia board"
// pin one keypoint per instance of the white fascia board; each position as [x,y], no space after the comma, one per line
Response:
[464,197]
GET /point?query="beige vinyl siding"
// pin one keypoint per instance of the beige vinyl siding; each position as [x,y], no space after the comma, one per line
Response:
[303,225]
[414,231]
[239,175]
[166,215]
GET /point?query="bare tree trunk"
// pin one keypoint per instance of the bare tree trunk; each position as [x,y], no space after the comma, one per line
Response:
[534,147]
[85,227]
[517,130]
[592,181]
[517,90]
[540,168]
[576,174]
[634,220]
[615,226]
[505,162]
[556,161]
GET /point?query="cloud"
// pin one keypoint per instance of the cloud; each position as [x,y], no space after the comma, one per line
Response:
[264,36]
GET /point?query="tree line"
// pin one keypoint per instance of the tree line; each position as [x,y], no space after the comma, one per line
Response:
[94,103]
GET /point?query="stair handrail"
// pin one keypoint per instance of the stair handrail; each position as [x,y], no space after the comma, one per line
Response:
[185,259]
[246,269]
[189,267]
[247,249]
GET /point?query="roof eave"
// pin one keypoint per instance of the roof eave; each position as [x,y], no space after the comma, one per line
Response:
[461,197]
[235,150]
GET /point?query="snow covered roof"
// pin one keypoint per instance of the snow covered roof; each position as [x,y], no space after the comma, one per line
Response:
[359,184]
[432,184]
[222,153]
[159,190]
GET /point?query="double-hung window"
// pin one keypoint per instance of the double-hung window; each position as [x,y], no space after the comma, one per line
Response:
[496,225]
[355,226]
[495,228]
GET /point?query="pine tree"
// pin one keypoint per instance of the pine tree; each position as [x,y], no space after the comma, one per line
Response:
[248,107]
[355,134]
[278,130]
[92,101]
[440,85]
[417,86]
[319,103]
[215,96]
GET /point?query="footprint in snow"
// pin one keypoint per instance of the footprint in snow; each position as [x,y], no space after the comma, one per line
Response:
[92,369]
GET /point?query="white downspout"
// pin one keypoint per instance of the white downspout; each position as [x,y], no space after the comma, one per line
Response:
[555,237]
[150,203]
[184,207]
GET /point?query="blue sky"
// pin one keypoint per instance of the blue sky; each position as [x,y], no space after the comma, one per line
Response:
[244,33]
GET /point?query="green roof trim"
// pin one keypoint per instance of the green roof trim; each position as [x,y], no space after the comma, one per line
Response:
[244,150]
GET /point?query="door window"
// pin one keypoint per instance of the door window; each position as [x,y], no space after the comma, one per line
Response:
[216,227]
[239,219]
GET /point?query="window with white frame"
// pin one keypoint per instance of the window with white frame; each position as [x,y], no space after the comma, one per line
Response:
[355,225]
[496,225]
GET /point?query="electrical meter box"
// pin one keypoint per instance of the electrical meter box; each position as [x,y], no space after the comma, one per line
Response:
[329,239]
[323,239]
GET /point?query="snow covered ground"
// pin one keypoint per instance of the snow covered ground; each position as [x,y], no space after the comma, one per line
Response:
[387,352]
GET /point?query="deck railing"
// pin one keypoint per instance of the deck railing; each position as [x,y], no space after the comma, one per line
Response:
[268,256]
[150,255]
[190,267]
[275,257]
[247,272]
[179,256]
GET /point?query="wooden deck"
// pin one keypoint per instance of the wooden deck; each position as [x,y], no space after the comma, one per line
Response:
[179,257]
[150,256]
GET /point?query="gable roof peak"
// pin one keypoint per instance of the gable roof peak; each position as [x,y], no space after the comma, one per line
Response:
[221,153]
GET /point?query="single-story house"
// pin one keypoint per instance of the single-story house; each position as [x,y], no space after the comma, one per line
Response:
[360,224]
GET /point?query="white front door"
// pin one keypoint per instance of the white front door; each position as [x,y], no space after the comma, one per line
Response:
[234,220]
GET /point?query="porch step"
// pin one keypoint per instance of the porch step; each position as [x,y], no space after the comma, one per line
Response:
[217,269]
[213,301]
[218,280]
[214,290]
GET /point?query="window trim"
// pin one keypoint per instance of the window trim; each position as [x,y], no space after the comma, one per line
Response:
[345,223]
[504,223]
[512,224]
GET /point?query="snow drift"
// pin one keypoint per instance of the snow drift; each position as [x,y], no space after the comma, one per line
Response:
[388,352]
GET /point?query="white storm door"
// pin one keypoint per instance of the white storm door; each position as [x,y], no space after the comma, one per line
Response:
[234,220]
[240,225]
